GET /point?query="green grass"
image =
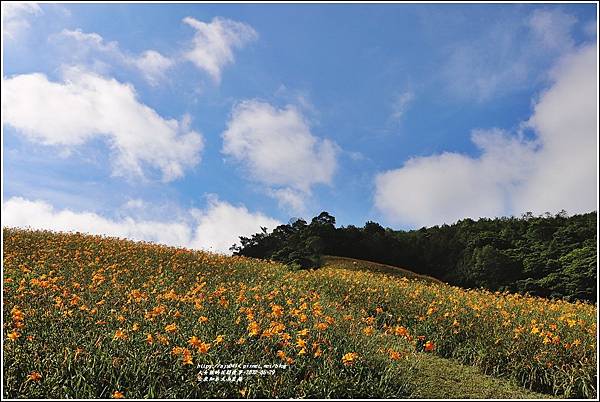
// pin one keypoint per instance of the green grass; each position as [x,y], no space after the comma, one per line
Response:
[438,378]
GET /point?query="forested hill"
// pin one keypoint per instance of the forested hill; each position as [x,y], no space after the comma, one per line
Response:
[549,256]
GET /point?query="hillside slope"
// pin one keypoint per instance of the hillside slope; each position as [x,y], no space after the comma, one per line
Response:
[93,317]
[370,266]
[547,256]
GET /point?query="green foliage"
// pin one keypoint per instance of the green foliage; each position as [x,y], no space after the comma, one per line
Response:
[548,256]
[297,243]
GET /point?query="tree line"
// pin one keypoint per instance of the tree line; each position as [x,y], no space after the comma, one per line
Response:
[548,255]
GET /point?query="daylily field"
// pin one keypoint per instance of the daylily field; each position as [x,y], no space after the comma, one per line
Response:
[88,317]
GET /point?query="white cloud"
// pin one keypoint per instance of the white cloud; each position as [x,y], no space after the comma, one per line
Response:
[152,64]
[289,199]
[88,41]
[221,225]
[135,203]
[15,17]
[444,188]
[278,149]
[215,229]
[20,212]
[400,105]
[565,119]
[556,170]
[211,49]
[86,106]
[214,42]
[508,55]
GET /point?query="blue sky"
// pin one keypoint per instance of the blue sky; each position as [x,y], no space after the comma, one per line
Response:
[190,124]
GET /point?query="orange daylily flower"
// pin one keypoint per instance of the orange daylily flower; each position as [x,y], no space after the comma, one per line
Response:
[120,334]
[349,358]
[34,376]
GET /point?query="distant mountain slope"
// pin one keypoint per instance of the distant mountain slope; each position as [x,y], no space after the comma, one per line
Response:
[362,265]
[552,256]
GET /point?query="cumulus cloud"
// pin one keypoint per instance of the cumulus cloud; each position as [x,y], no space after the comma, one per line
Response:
[556,170]
[15,17]
[277,149]
[215,229]
[565,120]
[508,55]
[289,199]
[444,188]
[214,42]
[20,212]
[82,45]
[220,225]
[85,106]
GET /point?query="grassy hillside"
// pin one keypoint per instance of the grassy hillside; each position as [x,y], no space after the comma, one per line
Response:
[87,316]
[547,256]
[369,266]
